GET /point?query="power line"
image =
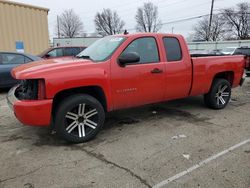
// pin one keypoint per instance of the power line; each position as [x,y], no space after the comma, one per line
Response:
[121,13]
[186,19]
[179,20]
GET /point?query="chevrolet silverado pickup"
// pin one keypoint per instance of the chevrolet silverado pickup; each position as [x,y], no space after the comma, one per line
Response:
[117,72]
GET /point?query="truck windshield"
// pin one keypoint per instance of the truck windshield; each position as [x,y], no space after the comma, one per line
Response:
[102,49]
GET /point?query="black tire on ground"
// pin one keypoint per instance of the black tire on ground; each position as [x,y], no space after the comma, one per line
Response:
[79,118]
[219,94]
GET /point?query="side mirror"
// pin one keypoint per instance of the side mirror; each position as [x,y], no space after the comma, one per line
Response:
[47,56]
[127,58]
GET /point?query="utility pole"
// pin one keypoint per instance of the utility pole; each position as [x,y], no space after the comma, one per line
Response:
[58,27]
[172,30]
[210,19]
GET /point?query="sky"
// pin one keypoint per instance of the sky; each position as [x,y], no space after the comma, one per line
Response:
[169,11]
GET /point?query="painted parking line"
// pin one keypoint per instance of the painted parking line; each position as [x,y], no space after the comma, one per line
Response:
[200,164]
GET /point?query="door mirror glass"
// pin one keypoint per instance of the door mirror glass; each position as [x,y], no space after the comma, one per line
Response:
[129,57]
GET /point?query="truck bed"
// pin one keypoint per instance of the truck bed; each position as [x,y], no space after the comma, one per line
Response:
[205,68]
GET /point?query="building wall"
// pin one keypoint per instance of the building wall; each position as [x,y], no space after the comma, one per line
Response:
[25,23]
[219,45]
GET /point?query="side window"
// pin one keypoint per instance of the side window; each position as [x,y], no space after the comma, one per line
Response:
[56,52]
[72,51]
[146,48]
[27,60]
[172,48]
[12,58]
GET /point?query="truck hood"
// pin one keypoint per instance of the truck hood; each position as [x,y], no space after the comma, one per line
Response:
[38,69]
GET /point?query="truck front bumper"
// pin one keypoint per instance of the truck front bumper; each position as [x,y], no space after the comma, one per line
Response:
[30,112]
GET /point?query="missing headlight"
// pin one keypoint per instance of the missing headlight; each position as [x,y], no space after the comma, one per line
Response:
[28,90]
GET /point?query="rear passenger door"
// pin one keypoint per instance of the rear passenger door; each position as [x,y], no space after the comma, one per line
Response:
[178,77]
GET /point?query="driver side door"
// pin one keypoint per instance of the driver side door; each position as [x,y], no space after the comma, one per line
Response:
[140,82]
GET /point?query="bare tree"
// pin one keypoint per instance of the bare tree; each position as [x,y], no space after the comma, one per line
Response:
[69,24]
[147,18]
[217,30]
[238,20]
[108,22]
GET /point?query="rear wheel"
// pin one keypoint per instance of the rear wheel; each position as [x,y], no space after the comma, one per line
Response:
[219,94]
[79,118]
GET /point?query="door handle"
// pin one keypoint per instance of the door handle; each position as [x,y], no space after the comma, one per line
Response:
[156,71]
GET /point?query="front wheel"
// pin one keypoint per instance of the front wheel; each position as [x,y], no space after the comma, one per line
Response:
[79,118]
[219,94]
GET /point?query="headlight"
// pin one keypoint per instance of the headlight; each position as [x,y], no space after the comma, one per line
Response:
[31,90]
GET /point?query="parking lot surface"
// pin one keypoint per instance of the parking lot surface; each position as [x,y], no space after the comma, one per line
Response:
[174,144]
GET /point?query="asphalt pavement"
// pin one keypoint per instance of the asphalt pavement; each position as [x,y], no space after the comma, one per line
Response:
[173,144]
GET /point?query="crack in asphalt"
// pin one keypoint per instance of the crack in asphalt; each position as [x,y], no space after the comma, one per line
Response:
[21,175]
[39,168]
[100,157]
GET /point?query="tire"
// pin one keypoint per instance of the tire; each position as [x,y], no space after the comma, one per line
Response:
[219,94]
[79,118]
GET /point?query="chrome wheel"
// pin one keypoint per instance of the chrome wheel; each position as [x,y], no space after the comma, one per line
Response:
[222,95]
[219,94]
[81,120]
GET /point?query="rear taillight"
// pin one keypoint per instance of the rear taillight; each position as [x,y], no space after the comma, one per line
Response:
[41,89]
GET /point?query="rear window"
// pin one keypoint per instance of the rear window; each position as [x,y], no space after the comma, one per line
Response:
[172,48]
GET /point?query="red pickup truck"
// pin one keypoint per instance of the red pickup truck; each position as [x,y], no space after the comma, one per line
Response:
[117,72]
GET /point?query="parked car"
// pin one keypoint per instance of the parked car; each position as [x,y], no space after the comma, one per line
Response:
[9,60]
[228,50]
[64,51]
[245,50]
[117,72]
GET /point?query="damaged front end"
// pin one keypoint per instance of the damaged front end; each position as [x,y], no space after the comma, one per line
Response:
[31,90]
[27,90]
[29,103]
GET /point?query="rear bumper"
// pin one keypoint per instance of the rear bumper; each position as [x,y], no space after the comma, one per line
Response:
[30,112]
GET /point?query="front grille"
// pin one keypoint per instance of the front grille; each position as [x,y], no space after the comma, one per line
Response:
[28,90]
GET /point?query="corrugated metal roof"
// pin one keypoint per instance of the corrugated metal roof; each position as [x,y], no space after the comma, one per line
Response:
[23,5]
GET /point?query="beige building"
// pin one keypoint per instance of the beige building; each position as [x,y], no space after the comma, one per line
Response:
[23,27]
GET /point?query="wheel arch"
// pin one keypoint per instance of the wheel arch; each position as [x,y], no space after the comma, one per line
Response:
[228,75]
[94,91]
